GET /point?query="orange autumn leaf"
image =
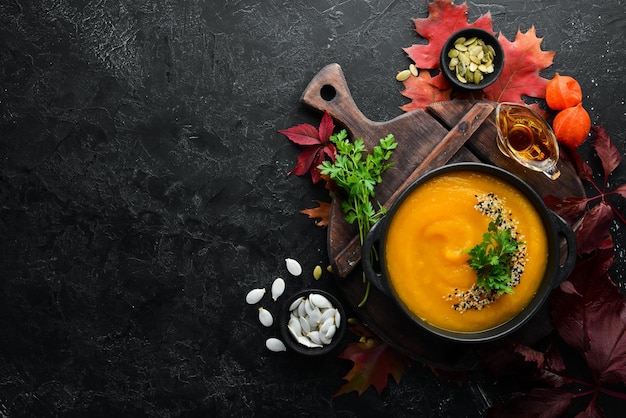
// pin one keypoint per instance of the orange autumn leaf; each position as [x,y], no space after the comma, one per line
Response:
[373,361]
[422,93]
[321,213]
[523,60]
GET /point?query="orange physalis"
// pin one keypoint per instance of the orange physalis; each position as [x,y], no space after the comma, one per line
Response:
[571,126]
[562,92]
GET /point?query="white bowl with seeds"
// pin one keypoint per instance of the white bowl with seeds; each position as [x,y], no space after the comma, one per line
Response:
[312,322]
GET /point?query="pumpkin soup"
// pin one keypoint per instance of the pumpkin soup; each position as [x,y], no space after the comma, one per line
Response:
[426,253]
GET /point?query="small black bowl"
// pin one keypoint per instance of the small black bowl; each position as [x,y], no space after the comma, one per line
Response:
[291,342]
[488,78]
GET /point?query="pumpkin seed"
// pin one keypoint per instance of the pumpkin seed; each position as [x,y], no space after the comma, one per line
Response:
[278,287]
[403,75]
[293,266]
[265,317]
[317,272]
[413,69]
[255,296]
[471,59]
[275,345]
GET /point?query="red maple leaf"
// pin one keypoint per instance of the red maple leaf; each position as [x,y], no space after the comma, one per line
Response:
[420,90]
[595,219]
[315,145]
[523,61]
[373,360]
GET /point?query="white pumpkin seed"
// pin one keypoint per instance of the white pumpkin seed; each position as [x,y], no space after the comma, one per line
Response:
[294,332]
[337,318]
[293,266]
[294,325]
[306,341]
[265,317]
[314,318]
[331,332]
[275,345]
[308,306]
[326,325]
[306,327]
[325,340]
[319,301]
[326,314]
[255,296]
[315,337]
[302,308]
[278,288]
[294,305]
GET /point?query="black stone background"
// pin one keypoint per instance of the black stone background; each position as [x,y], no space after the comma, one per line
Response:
[143,192]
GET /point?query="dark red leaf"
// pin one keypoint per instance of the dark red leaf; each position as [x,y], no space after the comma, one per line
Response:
[621,190]
[326,128]
[305,160]
[607,151]
[594,228]
[303,134]
[539,403]
[549,365]
[571,209]
[315,144]
[592,411]
[590,315]
[582,168]
[568,301]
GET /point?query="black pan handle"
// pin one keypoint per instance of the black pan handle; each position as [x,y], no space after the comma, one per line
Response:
[370,243]
[566,231]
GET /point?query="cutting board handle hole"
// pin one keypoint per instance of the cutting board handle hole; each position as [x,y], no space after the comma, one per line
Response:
[328,92]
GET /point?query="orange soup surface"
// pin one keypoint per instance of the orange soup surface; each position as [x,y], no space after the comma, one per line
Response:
[425,243]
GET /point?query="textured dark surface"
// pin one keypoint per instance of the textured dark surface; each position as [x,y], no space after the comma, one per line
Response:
[143,193]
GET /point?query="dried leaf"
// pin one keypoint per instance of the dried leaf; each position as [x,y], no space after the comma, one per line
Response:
[373,362]
[322,212]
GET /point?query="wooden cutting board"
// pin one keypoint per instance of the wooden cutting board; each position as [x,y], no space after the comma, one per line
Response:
[445,132]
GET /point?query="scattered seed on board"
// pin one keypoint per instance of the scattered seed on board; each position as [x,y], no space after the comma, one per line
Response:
[317,272]
[265,317]
[293,266]
[275,345]
[255,296]
[278,288]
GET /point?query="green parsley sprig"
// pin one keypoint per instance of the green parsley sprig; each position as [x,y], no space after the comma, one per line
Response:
[492,259]
[358,177]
